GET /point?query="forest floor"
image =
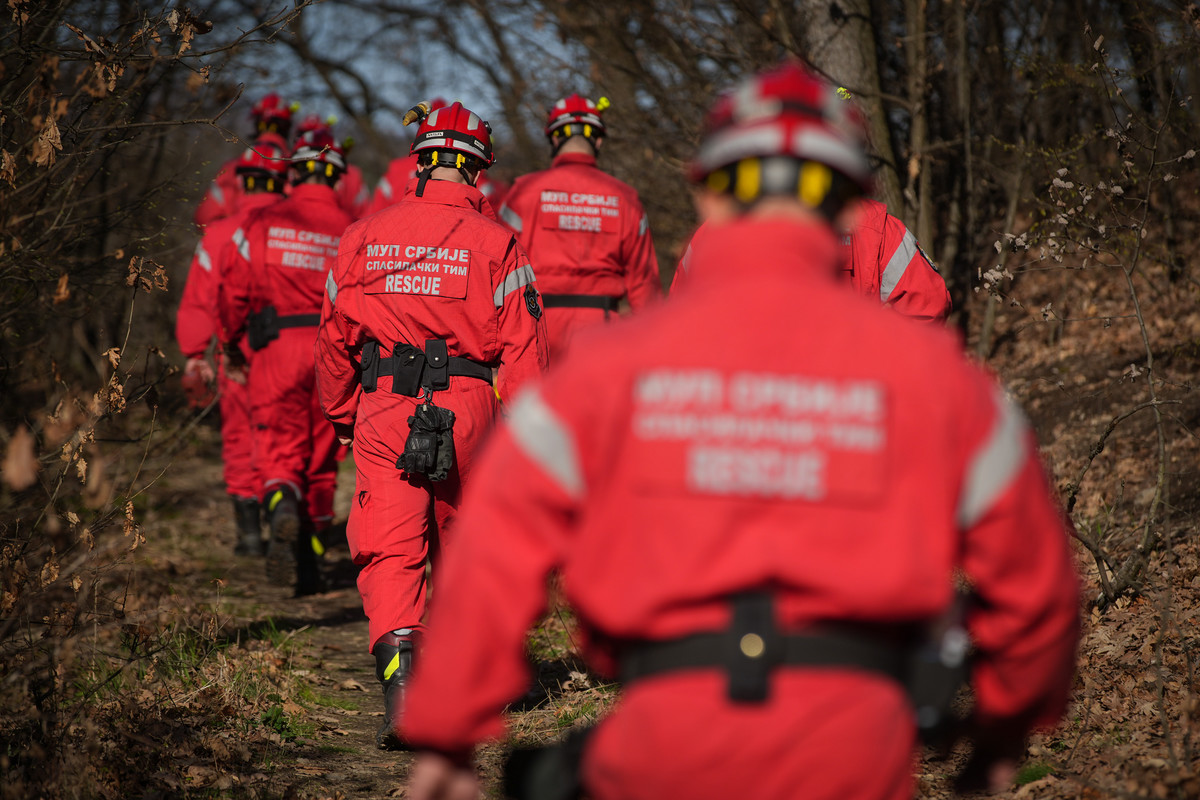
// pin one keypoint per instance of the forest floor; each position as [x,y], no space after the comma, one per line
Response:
[210,682]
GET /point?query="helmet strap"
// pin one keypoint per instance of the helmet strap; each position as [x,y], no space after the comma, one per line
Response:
[423,177]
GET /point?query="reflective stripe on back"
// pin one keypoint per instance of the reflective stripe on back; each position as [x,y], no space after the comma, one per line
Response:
[331,288]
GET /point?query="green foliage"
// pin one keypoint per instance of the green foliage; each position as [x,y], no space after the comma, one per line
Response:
[1035,771]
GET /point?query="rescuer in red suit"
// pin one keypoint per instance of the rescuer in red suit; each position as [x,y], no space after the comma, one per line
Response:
[585,231]
[270,115]
[272,297]
[262,172]
[755,523]
[428,298]
[352,193]
[880,258]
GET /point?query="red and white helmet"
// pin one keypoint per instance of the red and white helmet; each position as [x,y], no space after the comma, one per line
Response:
[270,115]
[318,151]
[268,157]
[455,130]
[314,122]
[786,112]
[575,115]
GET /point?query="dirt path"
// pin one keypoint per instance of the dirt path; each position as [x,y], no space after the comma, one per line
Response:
[323,640]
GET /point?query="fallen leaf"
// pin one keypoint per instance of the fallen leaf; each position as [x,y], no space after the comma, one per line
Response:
[20,461]
[61,293]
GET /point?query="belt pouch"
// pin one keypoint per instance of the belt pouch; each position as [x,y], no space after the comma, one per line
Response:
[437,365]
[754,647]
[408,363]
[262,328]
[369,361]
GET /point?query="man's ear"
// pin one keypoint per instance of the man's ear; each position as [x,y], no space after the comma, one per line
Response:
[712,207]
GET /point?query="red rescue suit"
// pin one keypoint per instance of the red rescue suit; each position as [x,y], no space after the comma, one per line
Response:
[429,267]
[586,234]
[352,193]
[391,186]
[284,255]
[197,324]
[720,459]
[881,259]
[221,199]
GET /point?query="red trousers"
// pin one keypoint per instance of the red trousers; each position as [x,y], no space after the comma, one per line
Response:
[678,735]
[295,446]
[237,440]
[563,323]
[397,522]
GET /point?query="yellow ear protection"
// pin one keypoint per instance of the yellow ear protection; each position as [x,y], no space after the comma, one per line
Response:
[814,184]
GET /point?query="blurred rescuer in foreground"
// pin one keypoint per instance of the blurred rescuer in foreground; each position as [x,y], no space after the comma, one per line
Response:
[757,524]
[262,173]
[272,298]
[429,296]
[586,232]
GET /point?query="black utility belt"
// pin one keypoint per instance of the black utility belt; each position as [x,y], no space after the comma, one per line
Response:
[600,301]
[930,668]
[753,646]
[263,327]
[413,370]
[750,657]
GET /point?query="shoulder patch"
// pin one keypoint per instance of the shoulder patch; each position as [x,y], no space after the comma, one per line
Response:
[531,302]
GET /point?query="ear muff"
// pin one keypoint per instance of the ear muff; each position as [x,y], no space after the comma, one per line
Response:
[250,182]
[329,170]
[747,180]
[814,183]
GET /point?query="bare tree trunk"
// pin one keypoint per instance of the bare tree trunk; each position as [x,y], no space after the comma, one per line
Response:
[919,187]
[839,40]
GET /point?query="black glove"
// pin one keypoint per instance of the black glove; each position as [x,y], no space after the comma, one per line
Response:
[429,449]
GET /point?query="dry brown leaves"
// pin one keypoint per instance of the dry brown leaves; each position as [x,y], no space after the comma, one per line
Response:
[21,466]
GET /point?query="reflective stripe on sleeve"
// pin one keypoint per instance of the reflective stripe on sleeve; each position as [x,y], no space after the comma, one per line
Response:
[385,188]
[331,288]
[242,243]
[896,266]
[546,441]
[644,225]
[995,464]
[202,258]
[216,192]
[519,277]
[512,218]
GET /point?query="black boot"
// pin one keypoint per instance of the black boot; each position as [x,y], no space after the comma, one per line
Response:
[283,509]
[248,514]
[310,553]
[393,663]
